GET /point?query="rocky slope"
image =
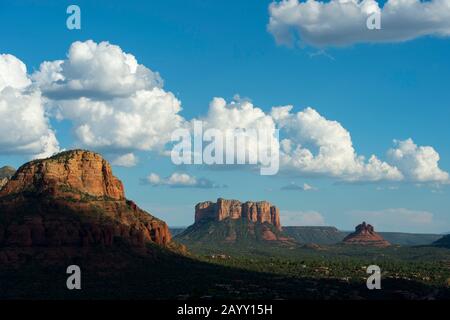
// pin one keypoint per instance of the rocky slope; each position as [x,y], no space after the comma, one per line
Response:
[365,235]
[72,200]
[232,221]
[6,173]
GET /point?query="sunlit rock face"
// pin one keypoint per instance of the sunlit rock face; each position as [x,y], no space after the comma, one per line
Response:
[73,199]
[261,211]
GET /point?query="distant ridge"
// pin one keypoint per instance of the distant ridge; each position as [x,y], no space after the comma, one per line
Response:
[318,235]
[322,235]
[443,241]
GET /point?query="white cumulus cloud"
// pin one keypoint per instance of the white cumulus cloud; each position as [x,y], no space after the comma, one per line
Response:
[114,103]
[119,106]
[126,160]
[318,146]
[242,114]
[24,126]
[312,145]
[143,121]
[344,22]
[13,72]
[418,163]
[181,180]
[95,70]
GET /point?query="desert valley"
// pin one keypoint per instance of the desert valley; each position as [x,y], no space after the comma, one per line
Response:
[70,209]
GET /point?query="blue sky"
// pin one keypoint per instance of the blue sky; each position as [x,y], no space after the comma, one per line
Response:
[204,49]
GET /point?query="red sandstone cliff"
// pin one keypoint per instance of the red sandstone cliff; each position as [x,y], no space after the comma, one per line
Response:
[231,221]
[223,209]
[73,199]
[5,174]
[68,174]
[365,235]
